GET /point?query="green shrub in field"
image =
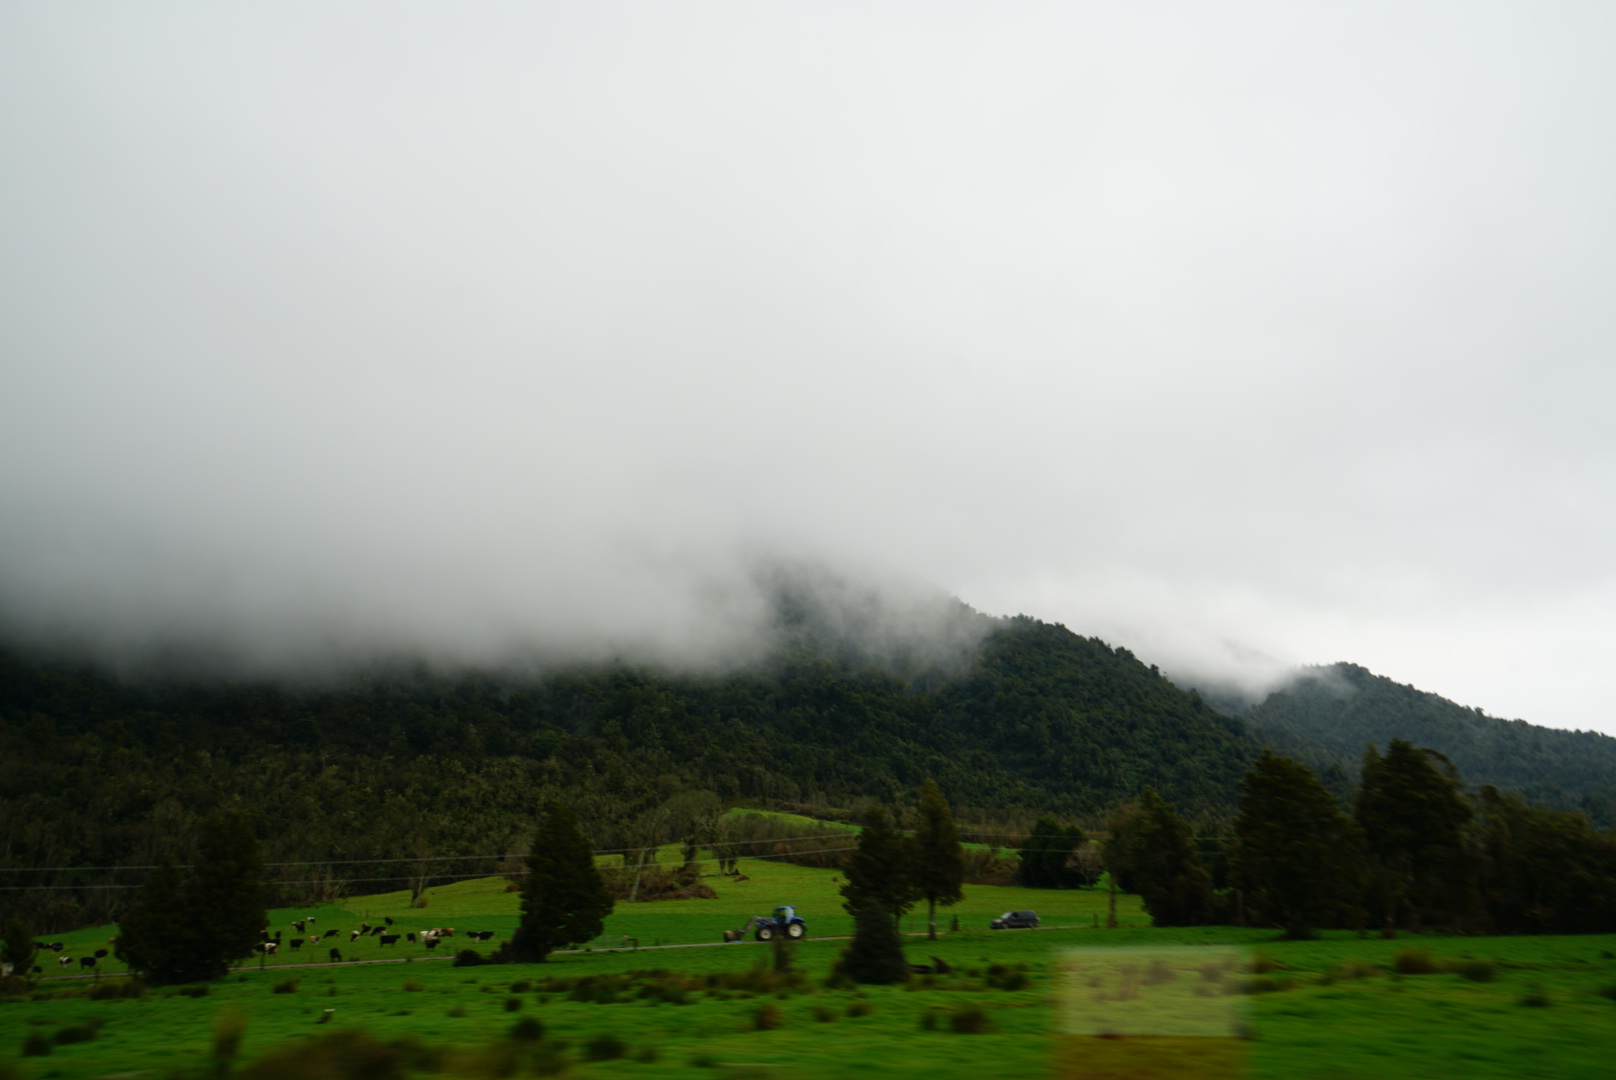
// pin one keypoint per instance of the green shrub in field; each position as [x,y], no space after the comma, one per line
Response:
[860,1008]
[928,1020]
[767,1018]
[285,986]
[1535,1000]
[1348,970]
[1475,970]
[457,1012]
[1609,991]
[193,991]
[512,1004]
[824,1014]
[647,1054]
[113,988]
[1414,962]
[605,1047]
[343,1055]
[521,986]
[414,986]
[76,1033]
[970,1020]
[527,1029]
[1262,964]
[1002,977]
[36,1044]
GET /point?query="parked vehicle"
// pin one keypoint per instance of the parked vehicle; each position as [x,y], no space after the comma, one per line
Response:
[1015,920]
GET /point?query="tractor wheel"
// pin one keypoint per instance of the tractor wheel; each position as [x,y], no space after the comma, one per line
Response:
[796,930]
[765,933]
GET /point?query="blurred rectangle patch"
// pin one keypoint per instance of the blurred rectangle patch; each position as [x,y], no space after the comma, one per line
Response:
[1147,1013]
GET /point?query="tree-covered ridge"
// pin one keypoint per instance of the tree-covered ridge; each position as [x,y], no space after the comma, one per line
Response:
[409,764]
[1328,714]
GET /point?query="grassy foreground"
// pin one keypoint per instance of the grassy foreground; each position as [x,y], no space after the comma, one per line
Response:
[1332,1009]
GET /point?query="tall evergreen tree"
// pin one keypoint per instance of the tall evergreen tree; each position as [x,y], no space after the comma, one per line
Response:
[939,859]
[1298,855]
[880,888]
[1046,855]
[150,938]
[17,949]
[564,900]
[1545,871]
[191,929]
[1413,816]
[225,899]
[1153,849]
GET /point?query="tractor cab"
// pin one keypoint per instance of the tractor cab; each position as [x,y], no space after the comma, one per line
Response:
[784,915]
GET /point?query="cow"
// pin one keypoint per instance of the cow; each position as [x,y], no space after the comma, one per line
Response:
[335,955]
[389,939]
[100,954]
[297,943]
[410,937]
[374,930]
[268,948]
[389,919]
[63,961]
[353,936]
[87,962]
[431,943]
[331,932]
[298,926]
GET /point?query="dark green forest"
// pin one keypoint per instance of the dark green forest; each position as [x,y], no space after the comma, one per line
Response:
[411,764]
[1326,716]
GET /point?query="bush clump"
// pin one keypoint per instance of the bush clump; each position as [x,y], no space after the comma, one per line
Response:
[1476,970]
[860,1008]
[767,1018]
[527,1029]
[36,1044]
[1348,970]
[1414,962]
[970,1020]
[605,1047]
[1535,1000]
[114,988]
[285,986]
[343,1055]
[513,1004]
[824,1014]
[521,986]
[414,986]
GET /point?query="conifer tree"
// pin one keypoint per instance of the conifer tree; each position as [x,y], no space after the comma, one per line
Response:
[1298,855]
[18,948]
[1413,816]
[564,900]
[150,938]
[880,888]
[224,901]
[1152,849]
[1046,853]
[939,859]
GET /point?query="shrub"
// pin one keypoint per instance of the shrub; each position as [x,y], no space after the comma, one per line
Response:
[285,986]
[824,1014]
[605,1047]
[1413,962]
[521,986]
[413,986]
[1262,964]
[767,1018]
[469,958]
[74,1033]
[343,1055]
[457,1012]
[860,1008]
[512,1004]
[647,1054]
[527,1029]
[1535,1000]
[1159,973]
[1609,991]
[1352,969]
[36,1045]
[193,991]
[970,1020]
[1002,977]
[928,1021]
[1476,970]
[126,988]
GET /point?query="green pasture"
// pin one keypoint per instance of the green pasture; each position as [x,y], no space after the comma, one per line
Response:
[1538,1007]
[484,904]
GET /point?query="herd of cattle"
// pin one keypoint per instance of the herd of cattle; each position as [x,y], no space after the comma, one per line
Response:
[270,945]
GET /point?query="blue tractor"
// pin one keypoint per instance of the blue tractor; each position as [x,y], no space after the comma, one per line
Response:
[785,922]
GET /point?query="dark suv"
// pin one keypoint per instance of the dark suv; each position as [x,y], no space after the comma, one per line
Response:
[1015,920]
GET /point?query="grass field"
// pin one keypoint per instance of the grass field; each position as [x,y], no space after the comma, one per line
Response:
[1541,1011]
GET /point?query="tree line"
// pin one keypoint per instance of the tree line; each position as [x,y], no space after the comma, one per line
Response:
[1417,852]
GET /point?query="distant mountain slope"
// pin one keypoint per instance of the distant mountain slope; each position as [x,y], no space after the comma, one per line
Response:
[1329,713]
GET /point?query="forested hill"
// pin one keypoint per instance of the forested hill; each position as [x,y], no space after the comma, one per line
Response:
[1329,713]
[94,772]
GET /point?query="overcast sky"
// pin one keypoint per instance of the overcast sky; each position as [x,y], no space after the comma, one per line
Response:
[1245,335]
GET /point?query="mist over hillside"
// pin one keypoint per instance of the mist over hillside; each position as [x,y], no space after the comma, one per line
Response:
[1327,714]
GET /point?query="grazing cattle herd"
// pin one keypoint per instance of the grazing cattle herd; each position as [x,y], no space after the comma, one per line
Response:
[269,944]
